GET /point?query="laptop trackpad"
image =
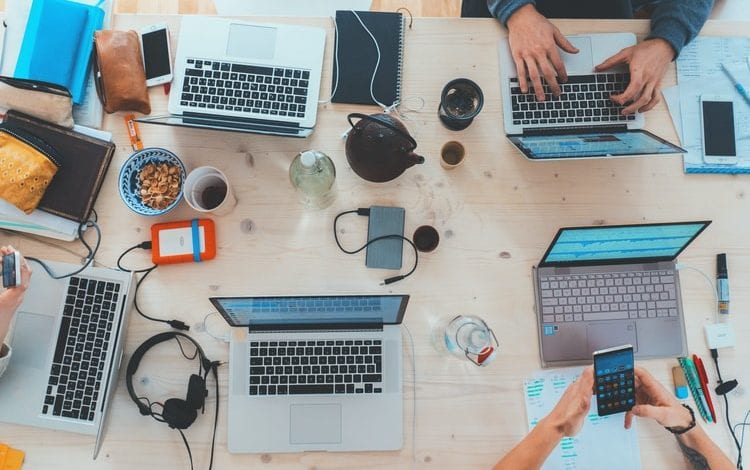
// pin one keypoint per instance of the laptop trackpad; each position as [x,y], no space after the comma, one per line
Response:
[314,424]
[603,335]
[251,42]
[583,61]
[31,336]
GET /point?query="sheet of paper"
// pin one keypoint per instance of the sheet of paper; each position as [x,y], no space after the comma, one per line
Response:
[602,439]
[672,98]
[704,55]
[717,84]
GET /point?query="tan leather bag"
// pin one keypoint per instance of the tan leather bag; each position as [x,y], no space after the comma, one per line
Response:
[27,165]
[46,101]
[120,76]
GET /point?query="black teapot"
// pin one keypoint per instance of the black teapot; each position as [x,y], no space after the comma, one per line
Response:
[379,148]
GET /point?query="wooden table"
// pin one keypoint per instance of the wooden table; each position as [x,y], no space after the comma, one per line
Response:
[496,214]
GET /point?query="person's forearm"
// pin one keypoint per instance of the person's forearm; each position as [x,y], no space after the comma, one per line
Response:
[503,9]
[678,21]
[701,451]
[534,449]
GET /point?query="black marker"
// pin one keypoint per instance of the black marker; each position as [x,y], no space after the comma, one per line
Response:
[722,283]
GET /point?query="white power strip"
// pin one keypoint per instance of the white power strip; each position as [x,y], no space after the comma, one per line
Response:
[719,335]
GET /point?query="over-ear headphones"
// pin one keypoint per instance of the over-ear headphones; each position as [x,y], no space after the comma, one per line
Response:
[177,413]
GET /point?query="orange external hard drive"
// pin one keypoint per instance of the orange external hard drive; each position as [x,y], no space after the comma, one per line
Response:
[183,242]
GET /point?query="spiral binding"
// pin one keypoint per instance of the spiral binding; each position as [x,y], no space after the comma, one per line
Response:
[400,61]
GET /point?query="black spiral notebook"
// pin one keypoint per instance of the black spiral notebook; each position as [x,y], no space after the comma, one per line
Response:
[357,57]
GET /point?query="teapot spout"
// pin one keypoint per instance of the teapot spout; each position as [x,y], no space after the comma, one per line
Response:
[415,159]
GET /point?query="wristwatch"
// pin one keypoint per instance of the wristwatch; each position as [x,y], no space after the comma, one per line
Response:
[679,429]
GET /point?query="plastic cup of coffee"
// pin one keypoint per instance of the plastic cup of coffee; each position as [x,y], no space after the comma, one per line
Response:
[452,155]
[207,189]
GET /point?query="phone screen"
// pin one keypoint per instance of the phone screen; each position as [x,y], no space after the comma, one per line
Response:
[614,380]
[156,53]
[718,128]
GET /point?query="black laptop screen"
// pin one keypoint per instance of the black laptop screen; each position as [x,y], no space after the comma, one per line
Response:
[591,144]
[631,243]
[304,311]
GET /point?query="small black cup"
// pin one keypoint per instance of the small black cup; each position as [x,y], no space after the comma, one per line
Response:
[460,102]
[426,238]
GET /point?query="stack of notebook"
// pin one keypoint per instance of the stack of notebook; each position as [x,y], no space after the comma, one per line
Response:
[84,157]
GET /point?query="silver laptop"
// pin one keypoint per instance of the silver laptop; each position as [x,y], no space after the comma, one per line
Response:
[67,343]
[245,77]
[317,373]
[598,287]
[582,122]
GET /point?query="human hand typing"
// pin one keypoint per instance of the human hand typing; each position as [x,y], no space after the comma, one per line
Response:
[647,61]
[533,44]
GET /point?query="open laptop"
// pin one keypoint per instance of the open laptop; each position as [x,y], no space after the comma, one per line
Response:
[314,373]
[246,77]
[598,287]
[67,343]
[582,122]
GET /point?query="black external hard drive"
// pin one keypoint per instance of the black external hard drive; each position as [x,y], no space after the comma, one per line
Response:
[387,253]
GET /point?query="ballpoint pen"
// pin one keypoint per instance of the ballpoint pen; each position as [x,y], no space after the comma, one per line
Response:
[737,85]
[704,384]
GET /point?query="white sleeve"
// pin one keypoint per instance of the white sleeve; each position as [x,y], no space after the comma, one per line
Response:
[5,353]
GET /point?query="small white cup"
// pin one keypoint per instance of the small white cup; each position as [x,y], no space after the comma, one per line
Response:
[207,189]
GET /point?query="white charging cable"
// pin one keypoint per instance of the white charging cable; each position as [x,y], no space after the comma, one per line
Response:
[711,286]
[203,326]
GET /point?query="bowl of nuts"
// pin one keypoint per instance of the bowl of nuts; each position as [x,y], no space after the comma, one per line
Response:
[151,181]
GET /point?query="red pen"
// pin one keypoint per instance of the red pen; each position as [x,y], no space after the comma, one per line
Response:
[704,384]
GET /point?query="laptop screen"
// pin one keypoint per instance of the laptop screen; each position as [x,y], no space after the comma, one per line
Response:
[308,311]
[592,144]
[625,243]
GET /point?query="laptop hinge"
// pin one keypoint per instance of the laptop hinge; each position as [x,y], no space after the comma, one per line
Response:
[541,131]
[236,119]
[318,327]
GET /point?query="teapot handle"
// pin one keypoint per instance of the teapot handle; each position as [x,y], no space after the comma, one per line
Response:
[384,123]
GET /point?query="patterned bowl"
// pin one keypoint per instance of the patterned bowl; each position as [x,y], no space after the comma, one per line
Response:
[130,186]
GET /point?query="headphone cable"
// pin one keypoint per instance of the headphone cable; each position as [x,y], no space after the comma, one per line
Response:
[366,212]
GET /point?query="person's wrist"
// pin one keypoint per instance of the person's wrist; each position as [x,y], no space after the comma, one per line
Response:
[683,419]
[521,15]
[663,46]
[554,426]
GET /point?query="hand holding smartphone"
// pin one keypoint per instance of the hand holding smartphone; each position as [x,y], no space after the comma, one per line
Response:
[11,269]
[614,380]
[717,130]
[157,55]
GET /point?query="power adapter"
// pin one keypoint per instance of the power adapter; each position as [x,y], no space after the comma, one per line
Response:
[719,335]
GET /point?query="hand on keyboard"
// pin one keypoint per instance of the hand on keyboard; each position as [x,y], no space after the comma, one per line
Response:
[533,43]
[648,61]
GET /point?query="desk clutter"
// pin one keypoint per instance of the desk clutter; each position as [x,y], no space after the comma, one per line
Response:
[316,367]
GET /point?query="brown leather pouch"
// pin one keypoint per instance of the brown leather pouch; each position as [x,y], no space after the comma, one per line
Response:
[27,165]
[119,74]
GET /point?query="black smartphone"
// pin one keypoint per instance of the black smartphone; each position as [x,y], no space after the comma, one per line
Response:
[614,380]
[11,269]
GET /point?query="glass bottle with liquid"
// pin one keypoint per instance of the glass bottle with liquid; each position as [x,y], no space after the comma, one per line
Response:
[313,175]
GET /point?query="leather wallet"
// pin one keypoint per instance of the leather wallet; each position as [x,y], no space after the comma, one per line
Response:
[27,165]
[119,74]
[42,100]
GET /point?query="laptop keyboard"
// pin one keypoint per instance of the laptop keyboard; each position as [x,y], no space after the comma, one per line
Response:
[226,86]
[81,351]
[316,367]
[610,296]
[584,99]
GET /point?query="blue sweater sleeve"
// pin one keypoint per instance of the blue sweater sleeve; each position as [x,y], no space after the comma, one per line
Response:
[502,9]
[678,21]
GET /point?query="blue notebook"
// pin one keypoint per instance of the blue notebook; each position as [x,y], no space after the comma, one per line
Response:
[57,44]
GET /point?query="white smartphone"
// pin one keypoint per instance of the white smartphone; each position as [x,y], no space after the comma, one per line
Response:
[717,130]
[157,54]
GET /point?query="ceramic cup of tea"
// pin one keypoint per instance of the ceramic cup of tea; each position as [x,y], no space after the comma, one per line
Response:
[460,102]
[207,189]
[452,155]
